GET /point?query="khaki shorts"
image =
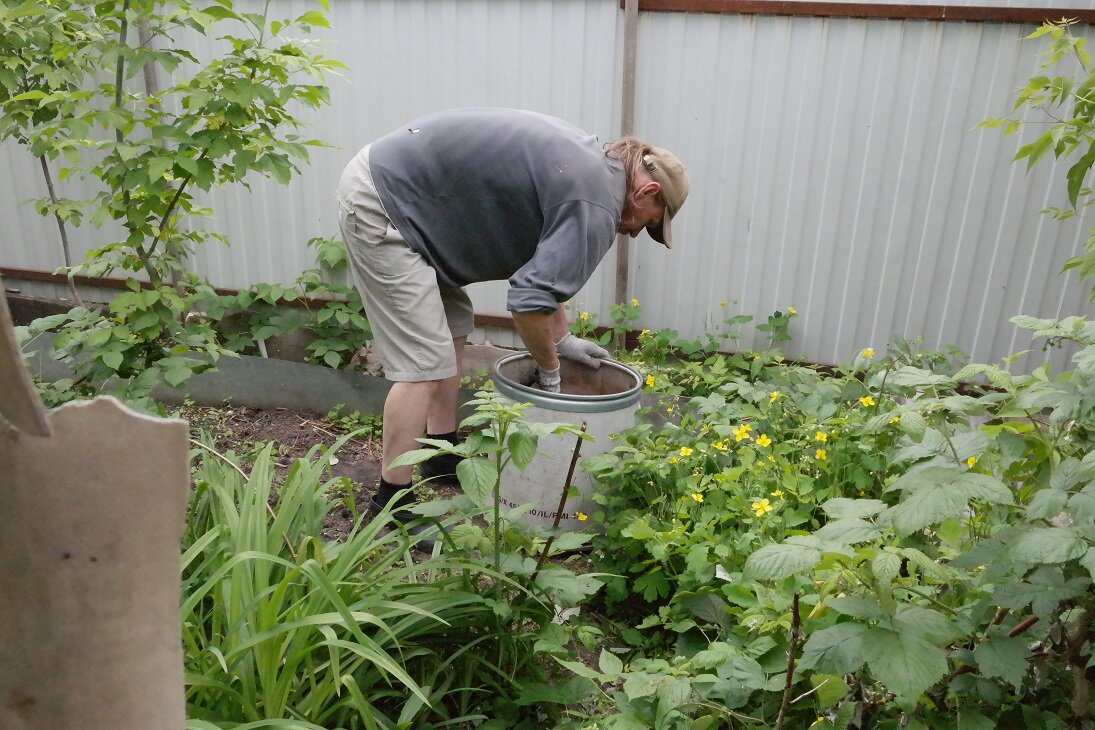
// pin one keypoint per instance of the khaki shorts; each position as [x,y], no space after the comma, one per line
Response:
[414,320]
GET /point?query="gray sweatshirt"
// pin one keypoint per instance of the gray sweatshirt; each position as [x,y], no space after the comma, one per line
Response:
[494,194]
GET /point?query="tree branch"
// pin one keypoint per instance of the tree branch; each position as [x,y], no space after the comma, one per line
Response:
[791,651]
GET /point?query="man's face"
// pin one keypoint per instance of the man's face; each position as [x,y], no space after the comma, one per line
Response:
[644,208]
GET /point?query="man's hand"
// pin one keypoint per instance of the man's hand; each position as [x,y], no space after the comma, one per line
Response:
[582,351]
[548,381]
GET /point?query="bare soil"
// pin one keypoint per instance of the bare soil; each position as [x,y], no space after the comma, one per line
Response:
[242,431]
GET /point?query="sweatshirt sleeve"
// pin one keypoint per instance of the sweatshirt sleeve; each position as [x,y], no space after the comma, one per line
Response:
[575,238]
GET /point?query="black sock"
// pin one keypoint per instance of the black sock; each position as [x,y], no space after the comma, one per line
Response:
[441,465]
[387,490]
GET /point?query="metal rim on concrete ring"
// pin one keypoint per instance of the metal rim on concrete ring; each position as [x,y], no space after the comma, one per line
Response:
[566,401]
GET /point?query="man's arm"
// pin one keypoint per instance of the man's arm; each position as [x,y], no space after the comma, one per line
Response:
[540,331]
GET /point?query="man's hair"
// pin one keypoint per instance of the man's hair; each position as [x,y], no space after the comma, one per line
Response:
[630,151]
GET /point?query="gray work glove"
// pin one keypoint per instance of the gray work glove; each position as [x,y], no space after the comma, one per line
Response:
[548,381]
[582,351]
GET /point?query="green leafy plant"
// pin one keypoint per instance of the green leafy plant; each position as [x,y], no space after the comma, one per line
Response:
[283,628]
[529,583]
[148,152]
[330,315]
[911,537]
[369,426]
[1065,111]
[584,325]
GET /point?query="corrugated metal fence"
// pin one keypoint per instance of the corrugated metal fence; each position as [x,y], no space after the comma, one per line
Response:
[834,164]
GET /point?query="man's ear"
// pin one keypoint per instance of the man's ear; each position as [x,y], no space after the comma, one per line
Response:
[649,189]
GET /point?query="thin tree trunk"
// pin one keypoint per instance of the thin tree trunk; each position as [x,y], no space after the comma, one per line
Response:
[63,231]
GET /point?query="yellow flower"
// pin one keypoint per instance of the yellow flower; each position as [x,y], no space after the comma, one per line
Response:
[821,436]
[771,458]
[650,381]
[723,303]
[971,461]
[895,419]
[763,440]
[867,353]
[742,432]
[582,516]
[698,497]
[762,507]
[867,401]
[644,333]
[634,302]
[720,446]
[704,428]
[670,409]
[778,493]
[673,460]
[685,451]
[792,311]
[773,395]
[820,455]
[583,315]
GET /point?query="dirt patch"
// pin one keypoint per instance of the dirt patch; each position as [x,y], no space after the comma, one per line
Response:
[243,431]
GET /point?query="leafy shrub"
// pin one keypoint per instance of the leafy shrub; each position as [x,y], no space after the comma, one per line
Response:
[937,536]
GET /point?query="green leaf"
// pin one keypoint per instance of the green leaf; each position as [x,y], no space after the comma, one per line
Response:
[29,95]
[112,359]
[698,559]
[830,688]
[1047,503]
[775,562]
[580,669]
[906,664]
[941,492]
[861,607]
[478,478]
[886,566]
[1004,657]
[848,531]
[1077,173]
[653,585]
[414,456]
[1049,545]
[919,378]
[565,587]
[672,693]
[639,529]
[1088,561]
[569,541]
[220,13]
[522,447]
[177,376]
[1042,590]
[747,672]
[640,684]
[913,424]
[843,508]
[610,664]
[314,17]
[928,624]
[835,650]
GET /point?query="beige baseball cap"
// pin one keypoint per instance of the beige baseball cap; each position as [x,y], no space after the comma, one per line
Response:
[667,171]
